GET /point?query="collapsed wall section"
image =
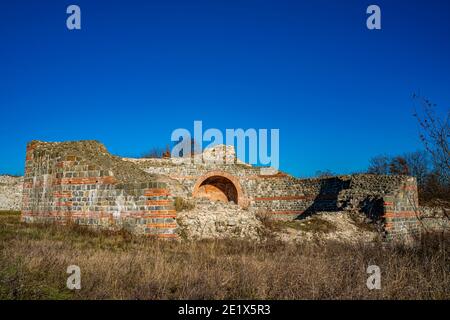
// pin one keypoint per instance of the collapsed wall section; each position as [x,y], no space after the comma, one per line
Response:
[80,182]
[389,200]
[286,197]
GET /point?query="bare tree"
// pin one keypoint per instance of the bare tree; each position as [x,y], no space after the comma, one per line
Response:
[435,133]
[188,146]
[418,165]
[157,152]
[413,163]
[379,165]
[399,166]
[153,153]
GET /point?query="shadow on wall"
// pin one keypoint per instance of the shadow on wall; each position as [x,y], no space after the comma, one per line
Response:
[372,207]
[327,200]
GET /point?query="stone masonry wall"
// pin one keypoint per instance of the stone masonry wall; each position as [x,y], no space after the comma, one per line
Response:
[281,194]
[401,211]
[81,182]
[391,200]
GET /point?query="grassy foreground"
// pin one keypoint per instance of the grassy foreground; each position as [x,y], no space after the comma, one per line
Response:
[34,260]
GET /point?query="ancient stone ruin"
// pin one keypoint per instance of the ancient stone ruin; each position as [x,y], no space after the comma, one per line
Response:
[81,182]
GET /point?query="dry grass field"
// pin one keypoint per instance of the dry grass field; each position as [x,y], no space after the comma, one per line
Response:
[34,259]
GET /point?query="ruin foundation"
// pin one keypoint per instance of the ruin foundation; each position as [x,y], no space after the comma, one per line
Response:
[81,182]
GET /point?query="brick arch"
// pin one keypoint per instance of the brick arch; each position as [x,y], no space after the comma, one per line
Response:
[221,176]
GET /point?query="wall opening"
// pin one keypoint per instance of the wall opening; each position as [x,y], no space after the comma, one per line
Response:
[220,185]
[218,188]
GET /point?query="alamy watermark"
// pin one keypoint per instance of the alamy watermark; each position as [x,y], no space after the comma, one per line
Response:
[374,280]
[373,22]
[73,22]
[74,280]
[189,147]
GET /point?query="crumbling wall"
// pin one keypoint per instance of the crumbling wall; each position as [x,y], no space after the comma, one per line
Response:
[388,200]
[281,194]
[435,219]
[401,210]
[216,220]
[286,197]
[81,182]
[391,201]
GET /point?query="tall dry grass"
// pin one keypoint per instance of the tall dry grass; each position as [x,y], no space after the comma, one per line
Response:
[34,259]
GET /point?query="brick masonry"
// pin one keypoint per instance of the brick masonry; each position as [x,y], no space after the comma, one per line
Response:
[391,200]
[62,184]
[82,183]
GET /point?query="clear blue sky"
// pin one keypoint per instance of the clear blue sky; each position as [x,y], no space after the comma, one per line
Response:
[137,70]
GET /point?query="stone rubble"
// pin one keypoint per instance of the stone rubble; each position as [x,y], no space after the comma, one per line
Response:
[345,230]
[217,220]
[10,192]
[435,218]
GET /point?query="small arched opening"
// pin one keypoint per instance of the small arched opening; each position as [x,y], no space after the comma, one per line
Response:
[219,186]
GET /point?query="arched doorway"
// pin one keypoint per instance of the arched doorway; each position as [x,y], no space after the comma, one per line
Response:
[219,186]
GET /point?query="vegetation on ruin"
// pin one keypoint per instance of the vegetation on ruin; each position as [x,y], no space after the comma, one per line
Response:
[34,259]
[157,153]
[182,204]
[313,224]
[97,155]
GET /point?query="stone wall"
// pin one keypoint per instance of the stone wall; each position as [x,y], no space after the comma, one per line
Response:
[81,182]
[435,219]
[401,210]
[281,194]
[390,200]
[286,197]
